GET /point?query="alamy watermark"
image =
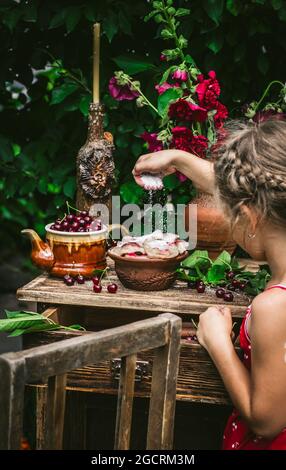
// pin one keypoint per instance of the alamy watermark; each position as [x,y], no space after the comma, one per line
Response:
[169,218]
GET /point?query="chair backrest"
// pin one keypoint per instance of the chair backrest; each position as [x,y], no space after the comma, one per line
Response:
[53,361]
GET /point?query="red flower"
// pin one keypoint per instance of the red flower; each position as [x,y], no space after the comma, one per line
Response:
[208,90]
[184,139]
[220,115]
[154,145]
[183,110]
[180,75]
[121,92]
[199,145]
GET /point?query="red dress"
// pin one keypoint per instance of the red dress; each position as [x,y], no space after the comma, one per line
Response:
[237,435]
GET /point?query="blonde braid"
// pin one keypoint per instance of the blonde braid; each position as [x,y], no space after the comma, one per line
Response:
[250,168]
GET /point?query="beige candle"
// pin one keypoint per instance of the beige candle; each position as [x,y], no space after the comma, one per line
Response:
[96,52]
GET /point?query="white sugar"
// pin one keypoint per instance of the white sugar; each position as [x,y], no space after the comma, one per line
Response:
[151,181]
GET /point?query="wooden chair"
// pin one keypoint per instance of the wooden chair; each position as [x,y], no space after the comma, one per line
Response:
[53,361]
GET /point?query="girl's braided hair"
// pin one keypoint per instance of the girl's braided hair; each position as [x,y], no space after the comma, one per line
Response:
[250,169]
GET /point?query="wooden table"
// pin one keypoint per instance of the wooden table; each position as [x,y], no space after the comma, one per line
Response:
[198,379]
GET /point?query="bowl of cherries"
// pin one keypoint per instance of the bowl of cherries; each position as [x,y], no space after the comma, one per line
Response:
[75,245]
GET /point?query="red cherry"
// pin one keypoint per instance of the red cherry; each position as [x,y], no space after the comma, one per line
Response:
[220,293]
[69,281]
[64,225]
[201,288]
[70,218]
[83,214]
[88,219]
[228,296]
[242,285]
[75,226]
[95,280]
[230,275]
[79,279]
[112,288]
[97,288]
[57,227]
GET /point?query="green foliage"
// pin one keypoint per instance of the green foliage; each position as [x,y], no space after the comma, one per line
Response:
[22,322]
[45,78]
[198,266]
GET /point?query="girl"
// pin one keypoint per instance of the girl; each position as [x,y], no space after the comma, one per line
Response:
[249,177]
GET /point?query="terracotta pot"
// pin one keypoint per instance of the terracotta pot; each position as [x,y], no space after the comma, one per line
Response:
[213,228]
[145,274]
[69,252]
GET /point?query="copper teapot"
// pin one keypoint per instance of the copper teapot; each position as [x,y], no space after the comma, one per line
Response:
[70,252]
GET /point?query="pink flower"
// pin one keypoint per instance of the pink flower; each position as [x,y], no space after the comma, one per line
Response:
[220,115]
[180,75]
[183,110]
[121,92]
[162,88]
[208,90]
[182,178]
[154,144]
[163,58]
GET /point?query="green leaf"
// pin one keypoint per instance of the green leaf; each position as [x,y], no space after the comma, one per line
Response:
[72,18]
[84,104]
[263,63]
[233,7]
[166,98]
[110,25]
[224,259]
[183,12]
[11,17]
[199,258]
[20,314]
[214,9]
[215,42]
[131,193]
[133,64]
[125,25]
[171,182]
[60,94]
[57,20]
[70,187]
[25,321]
[216,274]
[150,15]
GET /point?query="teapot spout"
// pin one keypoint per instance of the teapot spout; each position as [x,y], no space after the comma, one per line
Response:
[41,255]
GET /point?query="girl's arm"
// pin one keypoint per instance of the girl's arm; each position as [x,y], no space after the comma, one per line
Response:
[259,396]
[166,162]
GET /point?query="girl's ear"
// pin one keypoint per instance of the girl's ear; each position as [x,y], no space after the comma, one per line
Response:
[251,216]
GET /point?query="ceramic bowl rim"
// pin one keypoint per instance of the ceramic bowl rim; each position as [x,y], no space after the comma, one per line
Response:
[144,259]
[75,234]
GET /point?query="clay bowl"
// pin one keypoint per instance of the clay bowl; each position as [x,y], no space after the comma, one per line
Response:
[146,274]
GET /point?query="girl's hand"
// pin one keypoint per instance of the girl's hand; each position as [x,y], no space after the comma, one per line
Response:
[215,327]
[162,162]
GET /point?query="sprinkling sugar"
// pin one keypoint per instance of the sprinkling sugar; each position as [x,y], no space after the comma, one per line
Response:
[153,182]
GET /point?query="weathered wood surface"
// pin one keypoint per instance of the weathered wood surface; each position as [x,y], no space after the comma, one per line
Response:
[56,359]
[179,299]
[125,403]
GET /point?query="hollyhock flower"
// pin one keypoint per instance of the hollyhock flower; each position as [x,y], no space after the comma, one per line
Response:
[199,145]
[163,58]
[262,116]
[220,115]
[154,144]
[180,75]
[208,90]
[181,138]
[121,92]
[183,110]
[165,86]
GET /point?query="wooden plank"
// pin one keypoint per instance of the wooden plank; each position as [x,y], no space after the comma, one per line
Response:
[163,391]
[55,412]
[179,299]
[63,356]
[12,387]
[125,403]
[41,402]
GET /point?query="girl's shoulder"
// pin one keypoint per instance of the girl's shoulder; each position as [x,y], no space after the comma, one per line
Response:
[270,303]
